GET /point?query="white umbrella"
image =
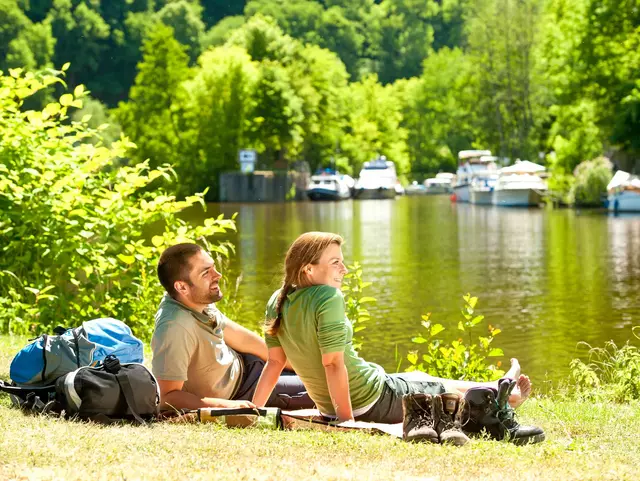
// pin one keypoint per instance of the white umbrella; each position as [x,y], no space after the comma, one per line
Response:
[523,167]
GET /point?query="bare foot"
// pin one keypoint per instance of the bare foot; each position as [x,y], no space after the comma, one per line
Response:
[521,392]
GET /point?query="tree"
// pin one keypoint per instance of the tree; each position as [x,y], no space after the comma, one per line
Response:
[152,115]
[185,19]
[219,104]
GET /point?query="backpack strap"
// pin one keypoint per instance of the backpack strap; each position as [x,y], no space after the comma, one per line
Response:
[45,339]
[125,385]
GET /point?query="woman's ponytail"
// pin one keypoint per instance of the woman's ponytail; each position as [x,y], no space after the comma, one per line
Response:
[274,324]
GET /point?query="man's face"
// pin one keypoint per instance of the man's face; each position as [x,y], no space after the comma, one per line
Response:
[202,288]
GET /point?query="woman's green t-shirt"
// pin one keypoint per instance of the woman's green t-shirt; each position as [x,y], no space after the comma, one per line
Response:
[314,322]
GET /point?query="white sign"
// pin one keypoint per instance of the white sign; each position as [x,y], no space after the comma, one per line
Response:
[248,158]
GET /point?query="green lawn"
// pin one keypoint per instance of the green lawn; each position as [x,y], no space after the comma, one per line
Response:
[584,441]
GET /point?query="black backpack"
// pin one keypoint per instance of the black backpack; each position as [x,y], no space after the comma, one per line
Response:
[104,394]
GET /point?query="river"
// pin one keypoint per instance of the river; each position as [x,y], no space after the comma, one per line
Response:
[547,278]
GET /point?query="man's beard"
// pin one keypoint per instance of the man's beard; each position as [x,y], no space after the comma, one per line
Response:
[209,297]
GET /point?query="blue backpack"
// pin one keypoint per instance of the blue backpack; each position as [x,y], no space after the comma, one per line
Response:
[49,357]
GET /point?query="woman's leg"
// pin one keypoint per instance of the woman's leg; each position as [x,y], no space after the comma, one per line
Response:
[518,396]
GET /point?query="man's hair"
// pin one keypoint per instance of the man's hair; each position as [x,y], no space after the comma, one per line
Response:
[174,265]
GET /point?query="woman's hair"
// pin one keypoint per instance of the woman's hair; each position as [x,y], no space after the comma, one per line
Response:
[306,249]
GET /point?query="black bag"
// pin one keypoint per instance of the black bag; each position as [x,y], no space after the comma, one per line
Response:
[103,394]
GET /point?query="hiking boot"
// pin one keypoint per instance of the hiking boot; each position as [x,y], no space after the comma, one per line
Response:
[418,422]
[487,409]
[447,413]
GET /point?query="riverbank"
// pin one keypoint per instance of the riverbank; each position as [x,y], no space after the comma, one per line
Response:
[584,441]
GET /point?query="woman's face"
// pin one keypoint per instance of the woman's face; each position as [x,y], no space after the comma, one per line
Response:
[329,270]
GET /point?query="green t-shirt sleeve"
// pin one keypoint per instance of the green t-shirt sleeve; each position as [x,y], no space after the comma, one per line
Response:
[270,312]
[332,321]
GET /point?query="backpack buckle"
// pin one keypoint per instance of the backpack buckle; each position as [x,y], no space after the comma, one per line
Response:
[111,364]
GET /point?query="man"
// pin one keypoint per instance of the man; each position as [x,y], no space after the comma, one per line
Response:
[200,357]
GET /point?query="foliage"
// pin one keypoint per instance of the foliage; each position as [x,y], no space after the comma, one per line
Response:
[458,359]
[79,236]
[355,301]
[611,372]
[592,177]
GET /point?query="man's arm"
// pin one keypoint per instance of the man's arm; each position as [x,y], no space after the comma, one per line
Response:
[243,340]
[173,397]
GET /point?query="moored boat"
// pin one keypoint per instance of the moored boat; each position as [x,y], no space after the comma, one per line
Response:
[330,185]
[520,185]
[469,164]
[377,180]
[623,193]
[440,184]
[415,189]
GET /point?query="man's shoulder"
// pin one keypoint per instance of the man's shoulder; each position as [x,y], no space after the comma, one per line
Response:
[172,313]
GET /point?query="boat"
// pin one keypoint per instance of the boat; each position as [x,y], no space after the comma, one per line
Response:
[469,164]
[377,180]
[484,181]
[440,184]
[623,193]
[329,185]
[520,185]
[415,189]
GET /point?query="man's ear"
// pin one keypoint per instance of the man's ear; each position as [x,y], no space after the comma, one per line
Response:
[180,287]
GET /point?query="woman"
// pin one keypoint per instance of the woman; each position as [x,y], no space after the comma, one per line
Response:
[307,326]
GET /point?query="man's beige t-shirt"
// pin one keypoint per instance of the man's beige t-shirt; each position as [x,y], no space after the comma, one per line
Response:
[189,346]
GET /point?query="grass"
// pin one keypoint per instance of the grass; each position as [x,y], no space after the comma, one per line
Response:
[584,441]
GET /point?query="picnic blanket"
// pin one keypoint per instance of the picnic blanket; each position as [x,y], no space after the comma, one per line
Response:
[274,418]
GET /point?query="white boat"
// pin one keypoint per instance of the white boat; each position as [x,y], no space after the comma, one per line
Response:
[415,189]
[469,164]
[377,180]
[482,187]
[440,184]
[330,185]
[520,185]
[623,193]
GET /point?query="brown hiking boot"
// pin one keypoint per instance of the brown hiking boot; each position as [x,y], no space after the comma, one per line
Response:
[447,412]
[417,425]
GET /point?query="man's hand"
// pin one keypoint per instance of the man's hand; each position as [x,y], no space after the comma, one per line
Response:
[229,404]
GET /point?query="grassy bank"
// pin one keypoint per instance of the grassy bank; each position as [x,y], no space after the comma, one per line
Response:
[584,441]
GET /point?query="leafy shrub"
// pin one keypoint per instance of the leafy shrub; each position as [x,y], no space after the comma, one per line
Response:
[458,359]
[74,226]
[592,177]
[611,373]
[353,288]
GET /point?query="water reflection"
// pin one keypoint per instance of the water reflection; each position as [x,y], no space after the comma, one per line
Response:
[547,278]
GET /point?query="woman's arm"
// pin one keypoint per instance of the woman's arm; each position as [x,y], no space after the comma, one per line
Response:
[338,384]
[270,374]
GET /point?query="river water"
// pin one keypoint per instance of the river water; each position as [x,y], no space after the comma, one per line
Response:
[547,278]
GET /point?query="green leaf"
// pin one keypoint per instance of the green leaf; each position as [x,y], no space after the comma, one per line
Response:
[412,357]
[364,300]
[436,329]
[157,240]
[78,91]
[66,66]
[495,352]
[418,340]
[127,259]
[66,100]
[476,320]
[460,326]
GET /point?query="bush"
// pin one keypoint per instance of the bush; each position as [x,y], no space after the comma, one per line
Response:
[457,359]
[611,373]
[354,299]
[74,226]
[592,177]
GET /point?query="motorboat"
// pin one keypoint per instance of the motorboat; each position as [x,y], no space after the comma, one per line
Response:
[330,185]
[520,185]
[440,184]
[377,180]
[469,165]
[415,189]
[623,193]
[484,181]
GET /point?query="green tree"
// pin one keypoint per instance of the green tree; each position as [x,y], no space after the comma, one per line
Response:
[220,101]
[152,115]
[222,31]
[184,17]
